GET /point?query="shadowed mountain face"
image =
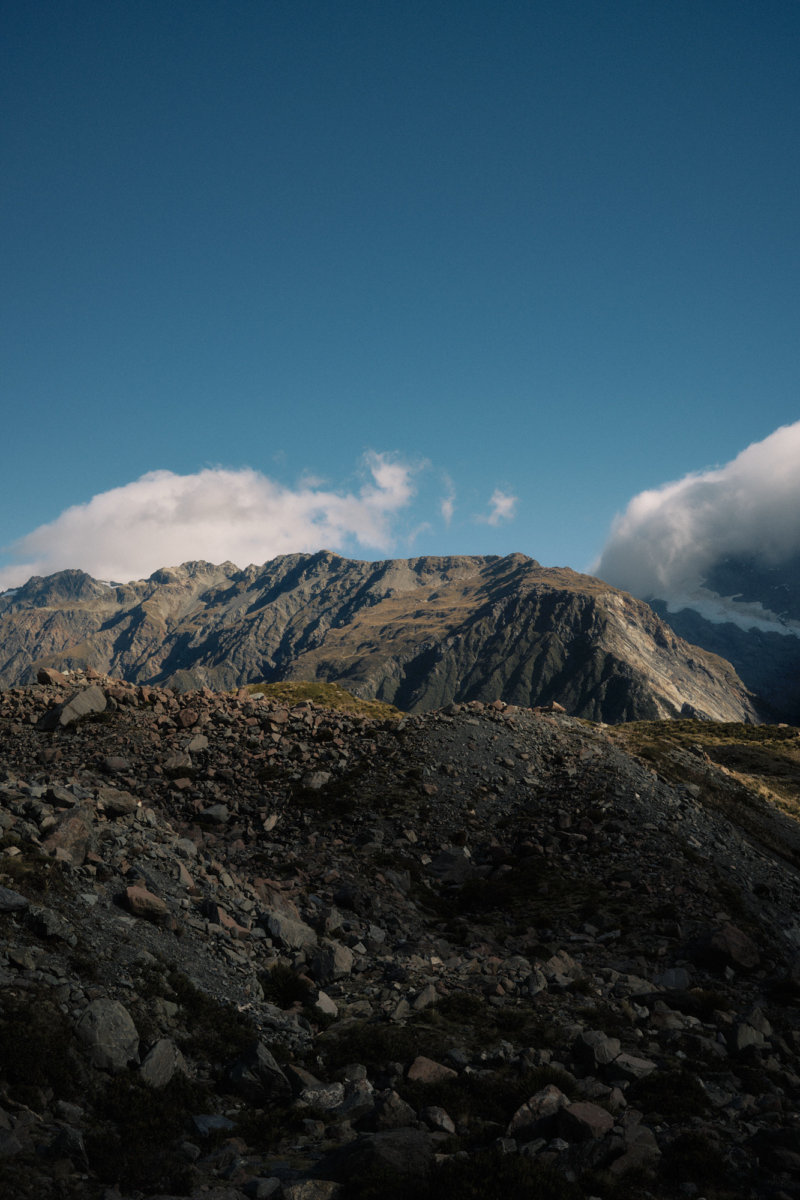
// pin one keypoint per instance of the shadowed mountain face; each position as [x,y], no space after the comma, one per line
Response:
[417,633]
[761,635]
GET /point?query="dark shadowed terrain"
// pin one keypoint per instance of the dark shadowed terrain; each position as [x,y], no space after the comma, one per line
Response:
[251,947]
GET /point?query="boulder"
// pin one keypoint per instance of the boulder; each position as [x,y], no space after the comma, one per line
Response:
[581,1121]
[256,1076]
[109,1035]
[50,677]
[425,1070]
[393,1153]
[11,901]
[143,903]
[81,704]
[290,933]
[731,947]
[162,1062]
[330,960]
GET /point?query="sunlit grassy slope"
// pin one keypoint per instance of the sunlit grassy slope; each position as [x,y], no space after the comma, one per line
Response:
[325,695]
[749,772]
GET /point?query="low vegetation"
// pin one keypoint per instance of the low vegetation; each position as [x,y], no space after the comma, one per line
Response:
[325,695]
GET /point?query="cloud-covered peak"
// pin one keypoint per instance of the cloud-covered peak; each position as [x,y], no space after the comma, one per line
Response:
[667,542]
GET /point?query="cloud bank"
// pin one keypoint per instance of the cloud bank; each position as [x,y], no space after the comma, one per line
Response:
[243,516]
[667,539]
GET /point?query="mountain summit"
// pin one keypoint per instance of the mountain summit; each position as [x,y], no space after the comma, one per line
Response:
[418,633]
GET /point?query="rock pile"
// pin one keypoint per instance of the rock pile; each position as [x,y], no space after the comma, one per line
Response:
[249,950]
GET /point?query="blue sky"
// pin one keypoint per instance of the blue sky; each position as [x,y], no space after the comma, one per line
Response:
[415,277]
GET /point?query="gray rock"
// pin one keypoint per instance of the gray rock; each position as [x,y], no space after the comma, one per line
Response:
[207,1123]
[216,814]
[81,704]
[734,948]
[109,1034]
[630,1067]
[437,1118]
[392,1112]
[161,1063]
[399,1153]
[324,1096]
[116,802]
[294,934]
[330,960]
[257,1076]
[593,1048]
[426,998]
[11,901]
[676,979]
[311,1189]
[47,924]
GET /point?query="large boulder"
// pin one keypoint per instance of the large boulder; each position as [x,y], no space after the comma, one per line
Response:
[107,1031]
[256,1076]
[81,704]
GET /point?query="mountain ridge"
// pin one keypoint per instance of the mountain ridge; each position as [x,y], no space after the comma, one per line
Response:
[417,633]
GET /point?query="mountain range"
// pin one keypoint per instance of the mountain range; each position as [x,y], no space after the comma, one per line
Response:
[418,633]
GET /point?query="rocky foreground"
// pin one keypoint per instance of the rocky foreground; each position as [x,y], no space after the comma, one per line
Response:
[248,950]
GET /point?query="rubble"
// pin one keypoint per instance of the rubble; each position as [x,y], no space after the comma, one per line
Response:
[485,943]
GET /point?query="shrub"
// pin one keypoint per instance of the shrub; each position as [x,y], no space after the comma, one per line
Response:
[282,986]
[37,1048]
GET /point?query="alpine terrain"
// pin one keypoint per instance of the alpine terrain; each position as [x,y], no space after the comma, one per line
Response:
[255,947]
[417,633]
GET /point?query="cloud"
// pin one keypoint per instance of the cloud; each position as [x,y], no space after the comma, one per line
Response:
[163,519]
[666,541]
[502,507]
[447,505]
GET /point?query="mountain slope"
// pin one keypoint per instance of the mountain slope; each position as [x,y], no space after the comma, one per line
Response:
[251,948]
[748,612]
[417,633]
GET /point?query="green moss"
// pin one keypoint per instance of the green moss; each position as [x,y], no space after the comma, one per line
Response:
[325,695]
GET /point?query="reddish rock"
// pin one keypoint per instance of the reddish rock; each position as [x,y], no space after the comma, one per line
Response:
[50,677]
[71,838]
[735,948]
[144,904]
[425,1070]
[582,1121]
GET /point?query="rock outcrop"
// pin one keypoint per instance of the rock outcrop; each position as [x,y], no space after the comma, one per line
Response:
[416,633]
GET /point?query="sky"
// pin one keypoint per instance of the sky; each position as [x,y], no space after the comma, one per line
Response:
[389,278]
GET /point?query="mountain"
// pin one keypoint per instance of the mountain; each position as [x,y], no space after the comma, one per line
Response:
[749,613]
[417,633]
[252,949]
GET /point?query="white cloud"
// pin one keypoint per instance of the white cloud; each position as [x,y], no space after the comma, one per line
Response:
[667,539]
[163,519]
[502,507]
